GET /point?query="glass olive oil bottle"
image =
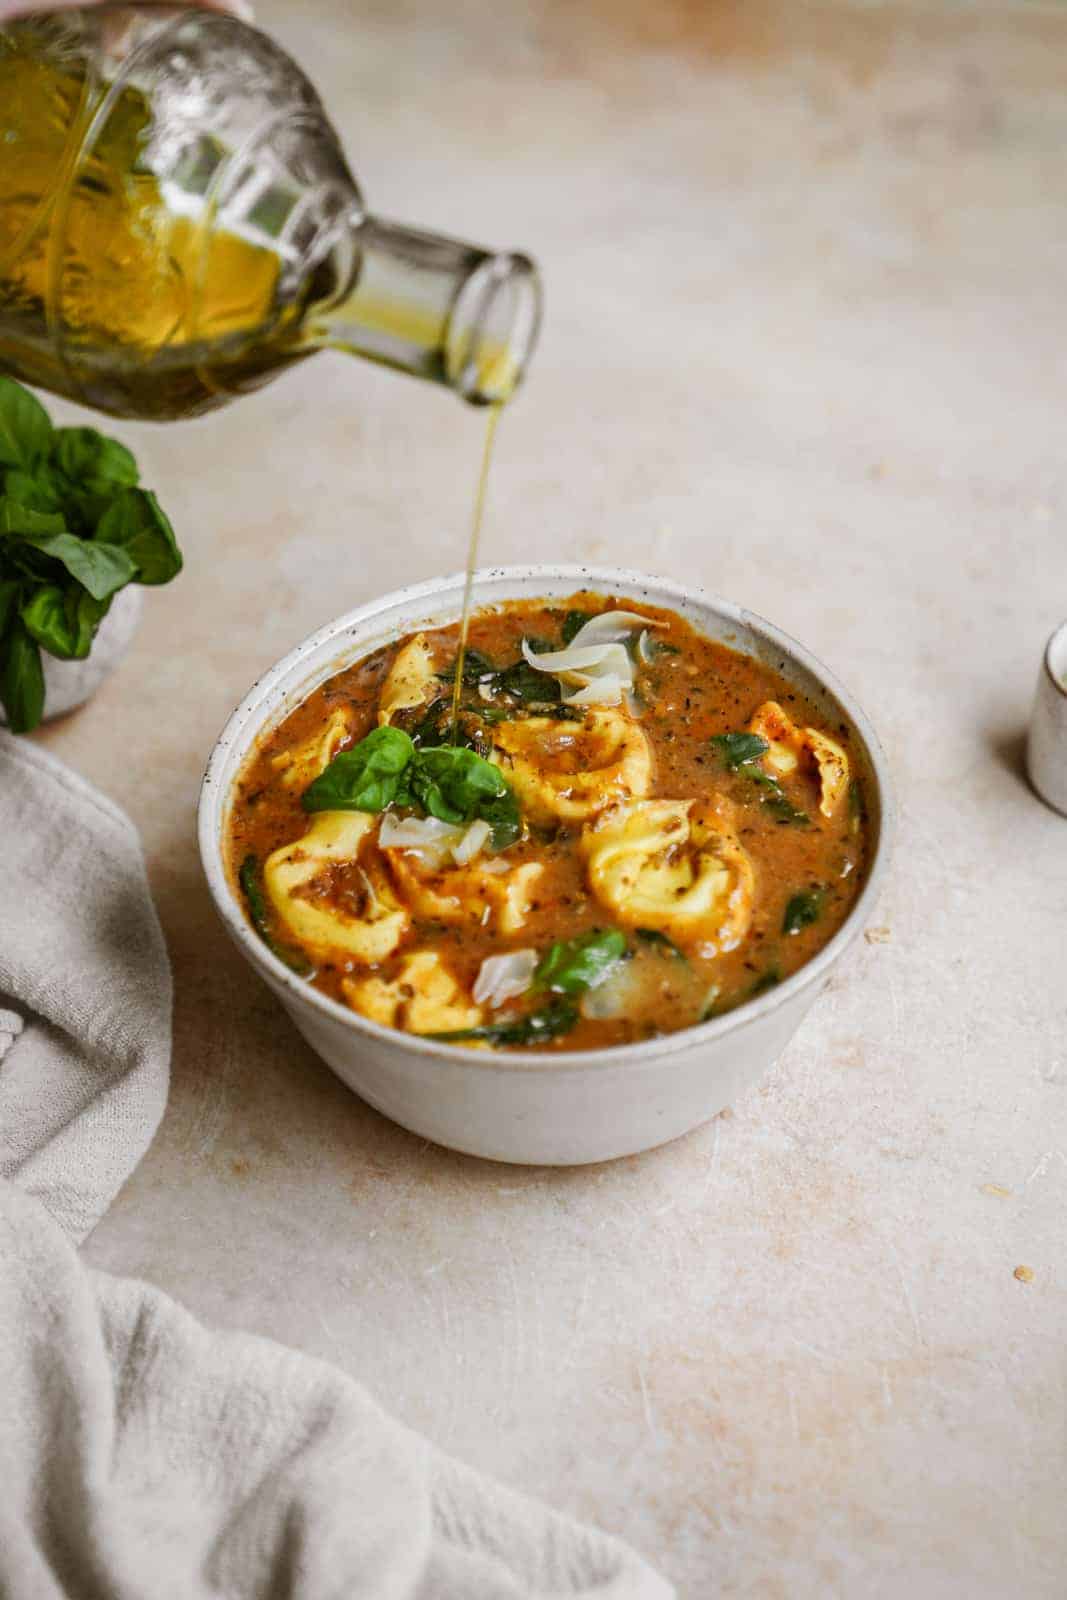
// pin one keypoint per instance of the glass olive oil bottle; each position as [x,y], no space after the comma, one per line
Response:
[178,225]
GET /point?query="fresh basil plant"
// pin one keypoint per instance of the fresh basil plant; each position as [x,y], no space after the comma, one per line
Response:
[75,528]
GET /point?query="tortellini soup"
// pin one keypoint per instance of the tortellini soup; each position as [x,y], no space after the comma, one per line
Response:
[626,829]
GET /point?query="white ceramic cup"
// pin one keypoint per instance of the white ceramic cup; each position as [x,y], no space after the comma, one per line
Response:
[567,1107]
[1046,749]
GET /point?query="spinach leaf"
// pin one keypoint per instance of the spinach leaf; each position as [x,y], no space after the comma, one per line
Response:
[504,817]
[549,1023]
[368,777]
[775,799]
[803,909]
[434,725]
[454,784]
[740,753]
[526,684]
[660,940]
[21,679]
[136,523]
[571,966]
[475,666]
[256,900]
[64,620]
[737,749]
[573,623]
[25,427]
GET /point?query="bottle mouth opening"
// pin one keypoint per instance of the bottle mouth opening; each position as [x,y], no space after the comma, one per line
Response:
[493,329]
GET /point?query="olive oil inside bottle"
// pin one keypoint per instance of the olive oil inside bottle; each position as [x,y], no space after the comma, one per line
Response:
[157,299]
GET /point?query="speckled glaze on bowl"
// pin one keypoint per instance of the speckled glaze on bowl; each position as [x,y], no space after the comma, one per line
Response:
[568,1107]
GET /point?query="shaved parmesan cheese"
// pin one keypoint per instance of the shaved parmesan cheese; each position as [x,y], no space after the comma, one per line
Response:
[434,841]
[505,977]
[572,659]
[611,627]
[644,648]
[606,691]
[428,837]
[596,665]
[475,839]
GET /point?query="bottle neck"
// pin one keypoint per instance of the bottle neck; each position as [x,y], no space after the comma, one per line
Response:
[431,306]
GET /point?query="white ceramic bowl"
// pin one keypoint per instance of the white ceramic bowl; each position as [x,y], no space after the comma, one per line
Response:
[567,1107]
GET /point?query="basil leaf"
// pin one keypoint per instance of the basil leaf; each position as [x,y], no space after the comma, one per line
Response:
[571,966]
[64,621]
[21,679]
[10,589]
[548,1023]
[100,568]
[93,461]
[737,749]
[368,777]
[25,426]
[454,784]
[256,900]
[135,522]
[41,489]
[803,909]
[25,521]
[660,940]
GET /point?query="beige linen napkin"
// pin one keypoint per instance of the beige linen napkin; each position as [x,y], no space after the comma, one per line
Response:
[141,1454]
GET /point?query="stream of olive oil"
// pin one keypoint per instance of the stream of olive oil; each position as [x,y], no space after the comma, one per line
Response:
[472,559]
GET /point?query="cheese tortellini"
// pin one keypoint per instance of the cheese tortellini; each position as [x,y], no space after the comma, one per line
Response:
[672,865]
[368,930]
[424,997]
[788,743]
[302,764]
[411,679]
[567,771]
[480,893]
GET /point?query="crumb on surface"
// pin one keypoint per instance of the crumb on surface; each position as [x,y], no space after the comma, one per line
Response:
[1024,1274]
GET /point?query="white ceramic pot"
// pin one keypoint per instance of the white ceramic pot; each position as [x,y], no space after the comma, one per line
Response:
[1046,749]
[69,684]
[568,1107]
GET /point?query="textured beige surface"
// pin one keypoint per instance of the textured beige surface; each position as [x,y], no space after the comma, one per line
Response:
[805,344]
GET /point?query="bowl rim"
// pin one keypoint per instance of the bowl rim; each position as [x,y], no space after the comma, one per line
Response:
[250,714]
